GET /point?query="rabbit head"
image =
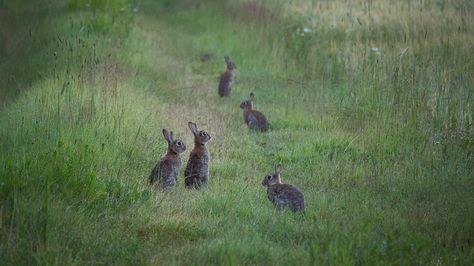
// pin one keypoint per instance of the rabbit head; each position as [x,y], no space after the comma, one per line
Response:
[200,136]
[230,63]
[174,145]
[248,104]
[273,179]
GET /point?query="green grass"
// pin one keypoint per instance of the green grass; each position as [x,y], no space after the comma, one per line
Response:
[381,144]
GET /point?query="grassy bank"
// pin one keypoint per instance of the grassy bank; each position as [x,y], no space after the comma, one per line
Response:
[370,110]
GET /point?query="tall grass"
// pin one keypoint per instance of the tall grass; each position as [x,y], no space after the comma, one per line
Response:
[379,140]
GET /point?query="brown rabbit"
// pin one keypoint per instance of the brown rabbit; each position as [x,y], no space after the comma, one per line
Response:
[197,170]
[225,82]
[253,118]
[283,195]
[167,168]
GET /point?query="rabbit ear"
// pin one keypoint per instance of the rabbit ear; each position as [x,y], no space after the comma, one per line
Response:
[193,128]
[278,168]
[227,58]
[168,136]
[251,96]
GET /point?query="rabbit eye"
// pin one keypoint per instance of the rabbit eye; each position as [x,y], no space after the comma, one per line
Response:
[269,177]
[179,143]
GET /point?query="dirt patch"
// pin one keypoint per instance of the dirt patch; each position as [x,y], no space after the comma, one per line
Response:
[252,11]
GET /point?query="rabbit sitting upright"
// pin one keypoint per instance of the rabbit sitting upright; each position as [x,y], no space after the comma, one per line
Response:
[283,195]
[197,170]
[225,82]
[167,168]
[253,118]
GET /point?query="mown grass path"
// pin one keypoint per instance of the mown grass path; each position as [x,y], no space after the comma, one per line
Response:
[80,139]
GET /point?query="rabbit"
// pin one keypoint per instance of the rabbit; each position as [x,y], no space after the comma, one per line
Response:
[197,170]
[253,118]
[167,168]
[283,195]
[225,82]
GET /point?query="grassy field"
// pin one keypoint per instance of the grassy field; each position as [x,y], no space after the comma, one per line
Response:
[370,105]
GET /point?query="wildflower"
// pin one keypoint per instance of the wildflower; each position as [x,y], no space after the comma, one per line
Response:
[375,50]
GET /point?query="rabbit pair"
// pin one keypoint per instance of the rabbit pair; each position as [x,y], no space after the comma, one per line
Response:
[283,195]
[197,170]
[253,118]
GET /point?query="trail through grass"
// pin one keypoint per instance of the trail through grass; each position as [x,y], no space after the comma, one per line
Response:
[386,168]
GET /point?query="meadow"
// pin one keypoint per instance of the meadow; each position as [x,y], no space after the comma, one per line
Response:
[370,105]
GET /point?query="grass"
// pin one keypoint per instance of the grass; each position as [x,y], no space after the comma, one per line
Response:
[379,140]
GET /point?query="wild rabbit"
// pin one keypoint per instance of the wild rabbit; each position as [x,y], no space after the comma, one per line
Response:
[283,195]
[253,118]
[167,168]
[225,82]
[197,170]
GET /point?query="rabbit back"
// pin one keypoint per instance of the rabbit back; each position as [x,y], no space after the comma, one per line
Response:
[166,171]
[225,83]
[255,120]
[197,169]
[286,195]
[155,174]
